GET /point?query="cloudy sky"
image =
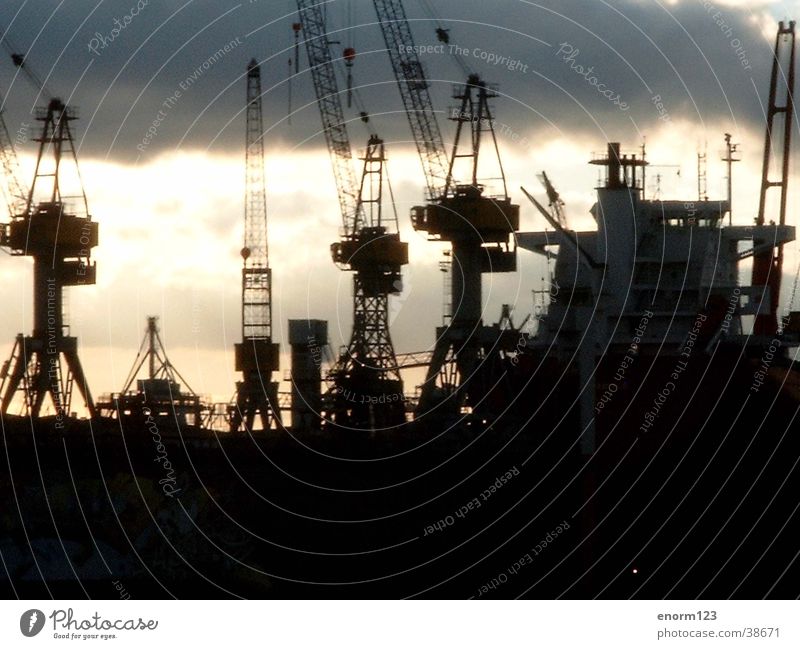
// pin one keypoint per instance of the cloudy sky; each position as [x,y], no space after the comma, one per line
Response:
[170,204]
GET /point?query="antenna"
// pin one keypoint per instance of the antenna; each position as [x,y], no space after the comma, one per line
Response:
[730,157]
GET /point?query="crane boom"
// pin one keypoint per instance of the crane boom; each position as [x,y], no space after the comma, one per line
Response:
[15,192]
[326,88]
[554,200]
[414,92]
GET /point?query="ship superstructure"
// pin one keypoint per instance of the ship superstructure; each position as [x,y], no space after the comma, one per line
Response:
[654,278]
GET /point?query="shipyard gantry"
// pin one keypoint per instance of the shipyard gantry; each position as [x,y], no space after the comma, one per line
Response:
[645,256]
[56,230]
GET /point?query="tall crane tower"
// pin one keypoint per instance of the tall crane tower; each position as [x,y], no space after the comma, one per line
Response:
[58,234]
[367,388]
[768,262]
[477,226]
[257,357]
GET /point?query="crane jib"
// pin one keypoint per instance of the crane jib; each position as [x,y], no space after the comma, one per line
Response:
[334,128]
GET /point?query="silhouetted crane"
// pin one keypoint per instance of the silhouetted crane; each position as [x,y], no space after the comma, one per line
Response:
[367,390]
[257,357]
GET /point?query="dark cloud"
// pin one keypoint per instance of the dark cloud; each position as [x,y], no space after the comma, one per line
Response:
[639,49]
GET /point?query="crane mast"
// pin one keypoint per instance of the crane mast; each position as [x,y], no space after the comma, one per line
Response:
[256,356]
[478,228]
[768,264]
[256,274]
[367,390]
